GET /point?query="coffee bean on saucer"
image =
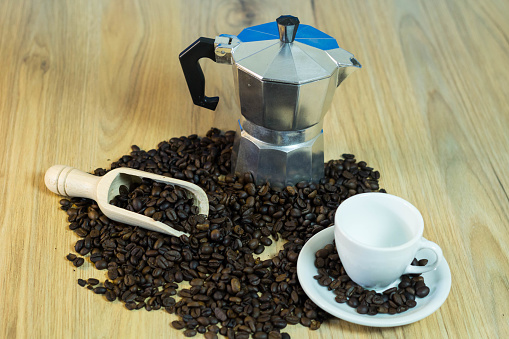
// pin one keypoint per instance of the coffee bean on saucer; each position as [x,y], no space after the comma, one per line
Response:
[362,309]
[353,302]
[392,301]
[422,291]
[411,303]
[423,262]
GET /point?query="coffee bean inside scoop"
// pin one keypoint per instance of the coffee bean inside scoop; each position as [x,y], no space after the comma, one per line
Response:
[230,290]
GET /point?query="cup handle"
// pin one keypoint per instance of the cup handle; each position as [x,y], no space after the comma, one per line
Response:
[426,244]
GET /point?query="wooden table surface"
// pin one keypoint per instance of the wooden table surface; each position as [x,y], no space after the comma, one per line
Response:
[81,81]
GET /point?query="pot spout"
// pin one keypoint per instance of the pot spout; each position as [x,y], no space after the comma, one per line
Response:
[346,62]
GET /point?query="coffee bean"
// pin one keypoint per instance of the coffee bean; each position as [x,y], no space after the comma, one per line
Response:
[101,265]
[110,295]
[404,284]
[266,241]
[315,325]
[362,309]
[178,324]
[322,253]
[93,214]
[190,333]
[397,299]
[305,321]
[422,291]
[150,211]
[353,302]
[215,235]
[71,257]
[390,290]
[418,283]
[65,203]
[99,290]
[219,313]
[210,335]
[411,303]
[292,256]
[196,282]
[279,323]
[82,282]
[92,281]
[78,262]
[253,243]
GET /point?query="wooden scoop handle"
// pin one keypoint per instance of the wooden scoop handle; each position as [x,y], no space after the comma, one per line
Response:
[71,182]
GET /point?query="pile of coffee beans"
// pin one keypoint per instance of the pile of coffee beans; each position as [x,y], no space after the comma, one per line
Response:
[228,290]
[332,274]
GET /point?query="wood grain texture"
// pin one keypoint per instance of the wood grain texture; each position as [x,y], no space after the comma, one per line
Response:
[81,81]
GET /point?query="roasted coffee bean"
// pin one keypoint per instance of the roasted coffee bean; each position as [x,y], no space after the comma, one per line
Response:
[397,299]
[65,203]
[353,302]
[190,333]
[279,323]
[411,303]
[177,324]
[390,290]
[110,295]
[260,335]
[305,321]
[315,325]
[215,235]
[82,282]
[99,290]
[275,335]
[422,291]
[362,309]
[404,284]
[78,262]
[92,281]
[265,241]
[253,243]
[219,313]
[423,262]
[101,265]
[210,335]
[71,257]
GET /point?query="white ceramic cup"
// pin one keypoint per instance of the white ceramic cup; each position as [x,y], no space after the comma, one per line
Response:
[377,236]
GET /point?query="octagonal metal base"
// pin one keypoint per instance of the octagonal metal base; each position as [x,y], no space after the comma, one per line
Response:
[286,160]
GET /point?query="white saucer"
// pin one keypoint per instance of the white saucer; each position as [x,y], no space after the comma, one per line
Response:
[438,280]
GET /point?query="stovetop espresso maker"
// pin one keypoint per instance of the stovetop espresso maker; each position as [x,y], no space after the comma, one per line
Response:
[285,76]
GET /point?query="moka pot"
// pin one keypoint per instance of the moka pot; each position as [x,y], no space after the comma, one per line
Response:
[285,77]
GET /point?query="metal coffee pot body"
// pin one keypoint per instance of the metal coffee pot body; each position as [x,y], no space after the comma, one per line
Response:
[285,76]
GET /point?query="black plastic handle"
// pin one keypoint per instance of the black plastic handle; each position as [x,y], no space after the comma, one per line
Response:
[201,48]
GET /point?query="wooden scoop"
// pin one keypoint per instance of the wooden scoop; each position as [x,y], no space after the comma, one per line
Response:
[71,182]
